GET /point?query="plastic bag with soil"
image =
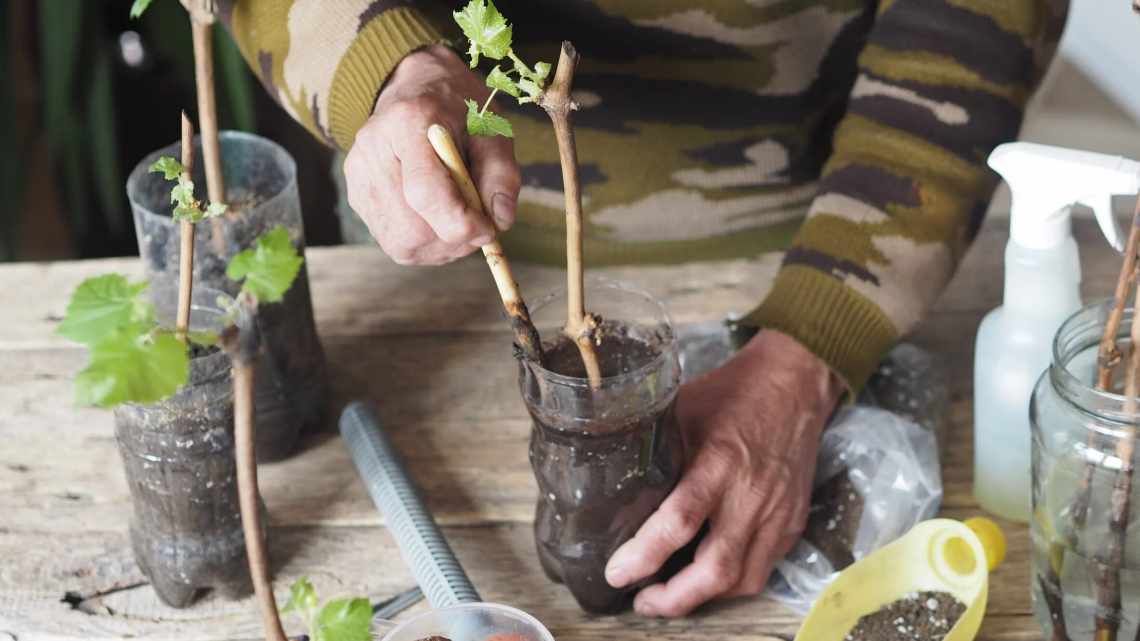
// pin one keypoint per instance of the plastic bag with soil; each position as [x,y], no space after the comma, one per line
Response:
[877,476]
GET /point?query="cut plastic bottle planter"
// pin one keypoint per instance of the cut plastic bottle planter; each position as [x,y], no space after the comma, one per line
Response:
[261,191]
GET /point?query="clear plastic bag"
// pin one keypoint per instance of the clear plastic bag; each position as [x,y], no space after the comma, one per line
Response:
[877,474]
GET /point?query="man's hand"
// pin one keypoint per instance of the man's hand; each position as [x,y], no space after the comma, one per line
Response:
[751,431]
[400,188]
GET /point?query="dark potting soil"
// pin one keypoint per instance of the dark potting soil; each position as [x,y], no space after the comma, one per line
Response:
[836,510]
[198,350]
[920,616]
[618,352]
[599,480]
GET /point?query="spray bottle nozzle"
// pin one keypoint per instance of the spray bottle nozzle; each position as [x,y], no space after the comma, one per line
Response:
[1045,181]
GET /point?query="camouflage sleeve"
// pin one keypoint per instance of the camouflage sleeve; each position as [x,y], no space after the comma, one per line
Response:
[940,84]
[325,62]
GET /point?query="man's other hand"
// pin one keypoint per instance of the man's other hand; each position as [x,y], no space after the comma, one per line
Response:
[752,430]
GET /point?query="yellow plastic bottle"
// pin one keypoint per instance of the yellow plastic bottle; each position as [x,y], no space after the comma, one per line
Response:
[940,555]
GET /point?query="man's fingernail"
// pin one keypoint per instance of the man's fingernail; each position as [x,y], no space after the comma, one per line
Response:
[503,210]
[645,609]
[616,577]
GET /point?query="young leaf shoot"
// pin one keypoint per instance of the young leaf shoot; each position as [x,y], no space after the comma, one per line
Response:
[267,270]
[486,123]
[302,598]
[347,619]
[489,34]
[486,30]
[186,206]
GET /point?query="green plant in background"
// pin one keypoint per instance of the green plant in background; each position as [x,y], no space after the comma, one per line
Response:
[346,619]
[11,153]
[79,73]
[139,7]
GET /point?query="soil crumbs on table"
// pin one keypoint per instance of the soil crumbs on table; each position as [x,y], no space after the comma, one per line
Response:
[919,616]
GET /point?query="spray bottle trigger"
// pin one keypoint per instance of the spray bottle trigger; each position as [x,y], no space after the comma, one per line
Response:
[1101,205]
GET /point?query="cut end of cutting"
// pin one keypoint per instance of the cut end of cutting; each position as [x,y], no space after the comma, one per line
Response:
[571,52]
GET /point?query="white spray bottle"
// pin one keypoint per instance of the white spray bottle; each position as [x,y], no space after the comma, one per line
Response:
[1042,289]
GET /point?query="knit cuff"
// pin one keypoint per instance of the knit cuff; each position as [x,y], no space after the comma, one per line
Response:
[840,326]
[378,47]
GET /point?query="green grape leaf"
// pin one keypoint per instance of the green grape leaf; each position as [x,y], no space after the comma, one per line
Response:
[302,596]
[268,269]
[133,366]
[101,305]
[486,123]
[216,209]
[167,166]
[345,620]
[139,7]
[498,79]
[486,29]
[181,212]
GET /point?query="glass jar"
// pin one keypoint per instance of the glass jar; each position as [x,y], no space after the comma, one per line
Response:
[1077,430]
[261,191]
[604,459]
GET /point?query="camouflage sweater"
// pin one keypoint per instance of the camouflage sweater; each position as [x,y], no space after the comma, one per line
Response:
[849,134]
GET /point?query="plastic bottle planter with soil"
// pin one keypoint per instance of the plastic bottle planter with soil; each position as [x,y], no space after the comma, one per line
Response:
[178,455]
[261,191]
[1077,430]
[604,459]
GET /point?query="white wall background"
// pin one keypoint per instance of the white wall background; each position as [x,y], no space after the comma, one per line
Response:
[1102,39]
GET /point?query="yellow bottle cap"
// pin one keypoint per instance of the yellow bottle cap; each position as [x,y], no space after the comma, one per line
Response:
[991,538]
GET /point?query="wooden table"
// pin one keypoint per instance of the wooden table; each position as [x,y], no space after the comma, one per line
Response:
[429,347]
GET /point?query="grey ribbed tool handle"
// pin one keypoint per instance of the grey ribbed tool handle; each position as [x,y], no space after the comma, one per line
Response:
[425,550]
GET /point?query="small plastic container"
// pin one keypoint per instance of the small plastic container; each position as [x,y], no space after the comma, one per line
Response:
[472,622]
[604,459]
[1076,431]
[178,456]
[261,190]
[939,555]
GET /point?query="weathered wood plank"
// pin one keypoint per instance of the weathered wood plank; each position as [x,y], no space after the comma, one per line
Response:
[464,437]
[38,573]
[358,292]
